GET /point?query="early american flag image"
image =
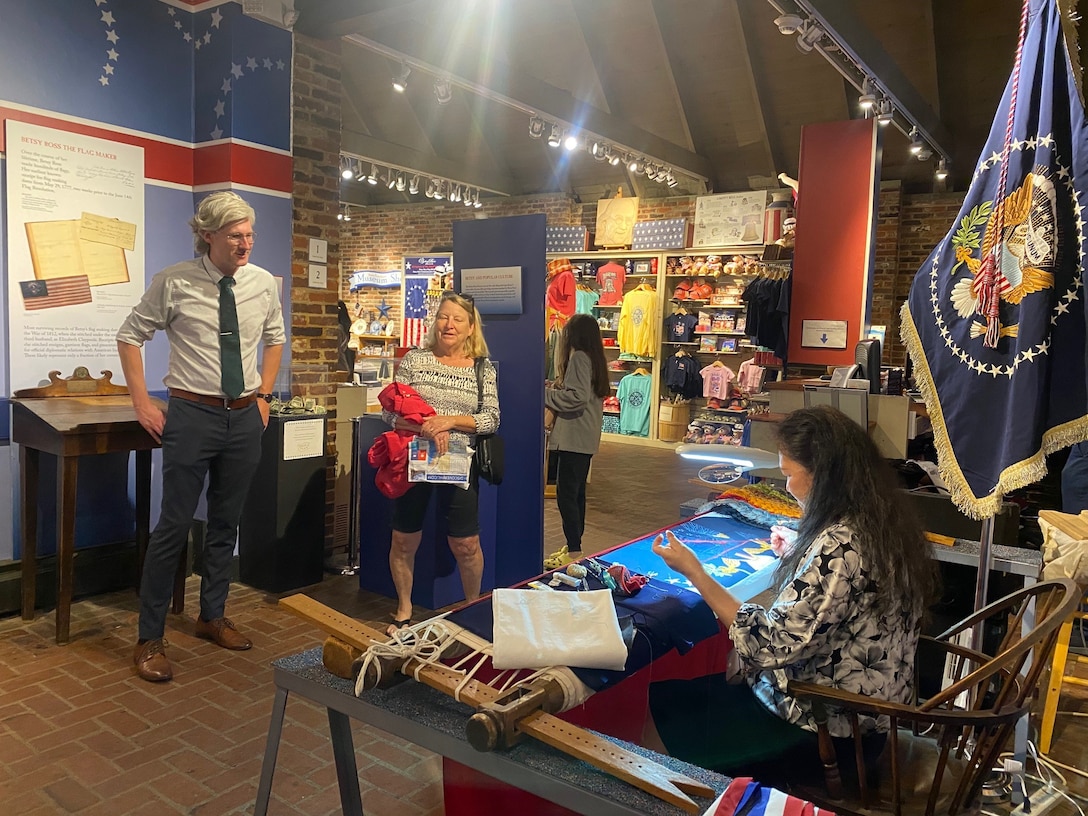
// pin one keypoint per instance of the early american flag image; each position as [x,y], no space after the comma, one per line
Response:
[49,294]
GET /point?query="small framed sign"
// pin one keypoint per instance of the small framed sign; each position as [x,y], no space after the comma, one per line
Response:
[829,334]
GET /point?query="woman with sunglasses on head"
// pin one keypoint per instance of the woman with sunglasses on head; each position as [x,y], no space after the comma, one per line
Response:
[443,373]
[576,398]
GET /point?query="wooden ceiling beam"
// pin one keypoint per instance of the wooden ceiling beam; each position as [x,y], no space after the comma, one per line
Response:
[395,155]
[505,85]
[330,19]
[754,61]
[861,47]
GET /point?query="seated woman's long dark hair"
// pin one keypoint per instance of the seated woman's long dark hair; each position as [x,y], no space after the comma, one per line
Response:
[853,483]
[583,334]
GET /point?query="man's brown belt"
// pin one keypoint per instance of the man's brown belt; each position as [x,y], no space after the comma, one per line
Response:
[216,402]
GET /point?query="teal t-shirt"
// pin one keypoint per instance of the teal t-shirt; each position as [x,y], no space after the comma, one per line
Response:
[634,397]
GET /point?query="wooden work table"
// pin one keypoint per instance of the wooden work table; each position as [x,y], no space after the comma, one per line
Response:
[69,427]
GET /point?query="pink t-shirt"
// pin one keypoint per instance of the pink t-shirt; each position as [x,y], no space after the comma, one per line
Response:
[716,379]
[611,277]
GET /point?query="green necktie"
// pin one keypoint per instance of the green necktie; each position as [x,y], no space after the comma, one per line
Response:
[230,346]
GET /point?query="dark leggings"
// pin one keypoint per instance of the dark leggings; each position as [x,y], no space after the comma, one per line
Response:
[570,495]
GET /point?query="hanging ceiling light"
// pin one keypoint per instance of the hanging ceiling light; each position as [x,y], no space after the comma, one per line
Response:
[536,127]
[413,185]
[867,100]
[571,142]
[347,171]
[942,170]
[439,189]
[443,92]
[400,80]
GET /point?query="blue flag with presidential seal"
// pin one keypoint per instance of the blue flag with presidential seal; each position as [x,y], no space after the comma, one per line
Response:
[995,320]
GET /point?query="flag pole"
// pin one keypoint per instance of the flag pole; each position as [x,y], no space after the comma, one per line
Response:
[982,581]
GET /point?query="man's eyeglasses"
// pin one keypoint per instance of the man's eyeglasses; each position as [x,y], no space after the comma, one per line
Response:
[449,294]
[239,237]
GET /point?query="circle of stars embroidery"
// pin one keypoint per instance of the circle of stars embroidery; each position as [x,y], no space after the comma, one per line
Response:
[1064,180]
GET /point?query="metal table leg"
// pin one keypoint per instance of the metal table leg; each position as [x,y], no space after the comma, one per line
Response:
[347,773]
[271,749]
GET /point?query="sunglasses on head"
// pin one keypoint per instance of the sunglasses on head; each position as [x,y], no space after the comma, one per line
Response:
[449,293]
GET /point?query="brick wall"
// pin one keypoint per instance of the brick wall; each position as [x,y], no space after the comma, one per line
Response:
[923,221]
[316,198]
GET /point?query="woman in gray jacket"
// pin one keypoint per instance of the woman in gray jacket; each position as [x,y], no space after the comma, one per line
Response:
[576,398]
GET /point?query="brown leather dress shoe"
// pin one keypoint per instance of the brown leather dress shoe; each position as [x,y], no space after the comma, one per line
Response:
[222,632]
[151,663]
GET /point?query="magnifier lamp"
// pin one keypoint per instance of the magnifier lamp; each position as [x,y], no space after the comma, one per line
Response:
[728,462]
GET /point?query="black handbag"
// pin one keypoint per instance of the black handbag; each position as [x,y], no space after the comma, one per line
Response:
[490,450]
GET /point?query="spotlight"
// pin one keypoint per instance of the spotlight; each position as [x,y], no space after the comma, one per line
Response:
[555,138]
[887,112]
[597,151]
[571,142]
[432,188]
[671,181]
[925,154]
[373,177]
[413,185]
[942,170]
[788,23]
[867,100]
[400,81]
[390,179]
[467,198]
[476,200]
[613,157]
[440,189]
[455,193]
[401,182]
[347,213]
[339,216]
[916,143]
[443,93]
[346,171]
[808,36]
[650,170]
[536,127]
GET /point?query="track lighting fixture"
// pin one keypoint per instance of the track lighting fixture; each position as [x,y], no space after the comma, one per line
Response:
[400,81]
[401,182]
[925,154]
[555,138]
[345,213]
[432,188]
[413,185]
[670,180]
[347,171]
[808,36]
[536,127]
[916,142]
[390,179]
[942,170]
[886,112]
[571,142]
[443,93]
[373,177]
[867,100]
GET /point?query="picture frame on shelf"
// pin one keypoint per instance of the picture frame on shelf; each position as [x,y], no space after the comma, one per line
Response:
[708,344]
[643,267]
[728,344]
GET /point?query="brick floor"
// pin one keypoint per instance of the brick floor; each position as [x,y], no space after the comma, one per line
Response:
[79,733]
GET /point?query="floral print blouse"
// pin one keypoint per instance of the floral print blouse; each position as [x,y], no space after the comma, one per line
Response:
[822,628]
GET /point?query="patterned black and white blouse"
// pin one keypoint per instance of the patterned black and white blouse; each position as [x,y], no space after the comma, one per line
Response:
[451,391]
[822,628]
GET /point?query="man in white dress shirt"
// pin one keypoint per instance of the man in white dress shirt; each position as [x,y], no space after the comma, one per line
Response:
[215,417]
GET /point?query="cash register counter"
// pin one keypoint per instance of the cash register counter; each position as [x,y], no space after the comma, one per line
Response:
[893,420]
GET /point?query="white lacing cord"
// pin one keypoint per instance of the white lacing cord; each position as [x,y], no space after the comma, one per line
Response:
[425,642]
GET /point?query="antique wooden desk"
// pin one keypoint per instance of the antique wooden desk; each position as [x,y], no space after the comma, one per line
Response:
[72,418]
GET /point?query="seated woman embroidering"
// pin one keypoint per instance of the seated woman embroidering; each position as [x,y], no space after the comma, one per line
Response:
[851,592]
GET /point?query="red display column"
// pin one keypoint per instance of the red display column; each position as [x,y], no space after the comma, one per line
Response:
[838,184]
